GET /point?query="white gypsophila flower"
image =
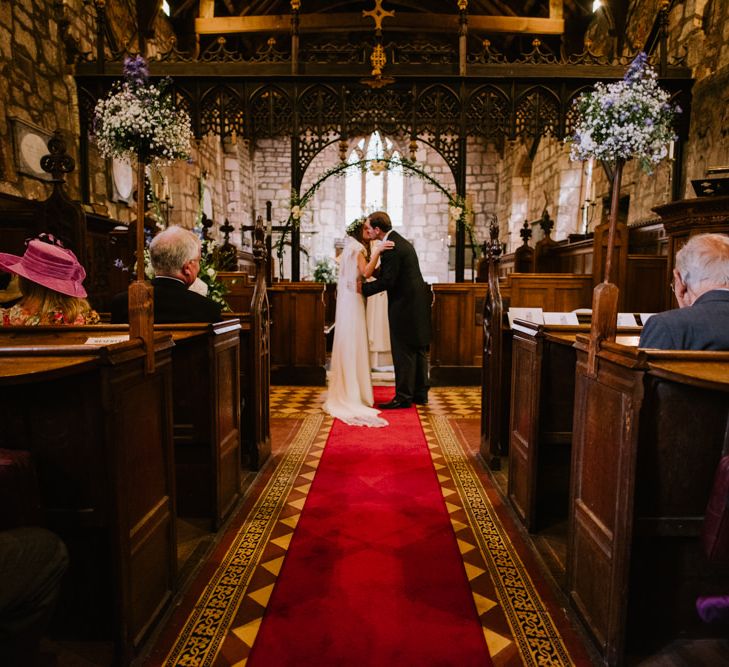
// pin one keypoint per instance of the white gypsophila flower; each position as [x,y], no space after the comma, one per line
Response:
[631,118]
[139,120]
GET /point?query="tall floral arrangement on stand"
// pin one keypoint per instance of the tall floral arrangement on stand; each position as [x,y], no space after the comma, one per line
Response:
[138,121]
[629,119]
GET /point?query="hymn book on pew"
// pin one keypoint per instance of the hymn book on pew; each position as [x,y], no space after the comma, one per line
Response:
[106,340]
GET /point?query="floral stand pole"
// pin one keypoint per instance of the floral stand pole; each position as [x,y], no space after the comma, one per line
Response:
[628,119]
[605,295]
[139,120]
[141,297]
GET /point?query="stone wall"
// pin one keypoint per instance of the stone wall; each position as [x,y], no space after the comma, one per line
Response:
[701,27]
[36,90]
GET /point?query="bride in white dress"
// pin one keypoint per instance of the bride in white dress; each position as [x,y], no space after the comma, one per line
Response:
[350,386]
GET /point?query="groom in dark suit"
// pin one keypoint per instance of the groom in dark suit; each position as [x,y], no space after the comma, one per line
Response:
[408,312]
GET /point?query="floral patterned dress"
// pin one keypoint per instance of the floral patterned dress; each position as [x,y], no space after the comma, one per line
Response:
[17,315]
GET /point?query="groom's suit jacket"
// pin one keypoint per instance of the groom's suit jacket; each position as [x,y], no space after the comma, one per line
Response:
[408,296]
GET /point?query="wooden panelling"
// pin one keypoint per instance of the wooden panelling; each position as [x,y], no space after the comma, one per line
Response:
[684,218]
[88,236]
[457,342]
[240,288]
[553,292]
[100,431]
[646,284]
[298,351]
[648,434]
[206,417]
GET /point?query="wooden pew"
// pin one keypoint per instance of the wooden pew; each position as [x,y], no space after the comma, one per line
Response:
[255,378]
[456,348]
[240,288]
[206,408]
[100,432]
[255,367]
[558,292]
[649,429]
[206,399]
[641,268]
[298,345]
[540,434]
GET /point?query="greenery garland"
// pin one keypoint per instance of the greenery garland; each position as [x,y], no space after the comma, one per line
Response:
[458,209]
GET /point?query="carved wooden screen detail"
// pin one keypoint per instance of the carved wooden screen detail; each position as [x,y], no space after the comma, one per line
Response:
[271,113]
[537,114]
[319,123]
[438,118]
[222,113]
[487,114]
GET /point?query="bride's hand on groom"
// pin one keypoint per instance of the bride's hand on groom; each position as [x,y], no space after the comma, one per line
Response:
[385,245]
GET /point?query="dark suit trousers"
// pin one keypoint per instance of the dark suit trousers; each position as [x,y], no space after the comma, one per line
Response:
[411,370]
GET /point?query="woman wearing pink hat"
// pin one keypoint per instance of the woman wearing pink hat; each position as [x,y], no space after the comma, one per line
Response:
[51,282]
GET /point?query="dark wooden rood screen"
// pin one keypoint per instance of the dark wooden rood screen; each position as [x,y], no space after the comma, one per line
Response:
[317,93]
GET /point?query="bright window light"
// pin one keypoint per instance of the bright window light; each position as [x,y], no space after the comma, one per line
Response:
[596,4]
[166,7]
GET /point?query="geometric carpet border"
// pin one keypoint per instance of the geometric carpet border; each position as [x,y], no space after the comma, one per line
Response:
[207,625]
[537,638]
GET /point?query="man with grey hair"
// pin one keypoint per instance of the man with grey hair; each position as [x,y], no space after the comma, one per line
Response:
[175,256]
[701,285]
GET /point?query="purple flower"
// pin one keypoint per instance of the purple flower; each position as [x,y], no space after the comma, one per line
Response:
[635,71]
[135,70]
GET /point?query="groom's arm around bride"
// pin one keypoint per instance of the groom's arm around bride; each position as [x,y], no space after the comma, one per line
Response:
[408,311]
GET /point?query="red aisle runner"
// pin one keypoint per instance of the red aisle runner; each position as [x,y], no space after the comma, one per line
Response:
[373,575]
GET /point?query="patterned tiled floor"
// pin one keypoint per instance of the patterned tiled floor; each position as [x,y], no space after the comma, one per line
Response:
[462,402]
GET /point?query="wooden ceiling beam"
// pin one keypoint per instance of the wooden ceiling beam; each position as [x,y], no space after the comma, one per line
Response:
[351,22]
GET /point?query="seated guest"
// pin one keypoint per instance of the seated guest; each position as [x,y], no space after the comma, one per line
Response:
[50,280]
[32,564]
[701,285]
[175,256]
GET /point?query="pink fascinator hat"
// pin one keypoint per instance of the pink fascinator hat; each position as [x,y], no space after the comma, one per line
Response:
[51,266]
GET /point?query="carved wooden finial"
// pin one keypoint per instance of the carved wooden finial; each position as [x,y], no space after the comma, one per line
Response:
[206,223]
[525,232]
[546,223]
[58,162]
[494,247]
[259,241]
[378,14]
[226,228]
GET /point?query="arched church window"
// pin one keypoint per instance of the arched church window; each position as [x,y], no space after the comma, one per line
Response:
[372,190]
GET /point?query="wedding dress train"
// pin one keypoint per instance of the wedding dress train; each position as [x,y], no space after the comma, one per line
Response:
[350,386]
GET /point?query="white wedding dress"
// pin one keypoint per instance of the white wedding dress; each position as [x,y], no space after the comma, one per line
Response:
[350,386]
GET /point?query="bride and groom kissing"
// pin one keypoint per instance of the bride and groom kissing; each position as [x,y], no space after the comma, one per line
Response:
[350,396]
